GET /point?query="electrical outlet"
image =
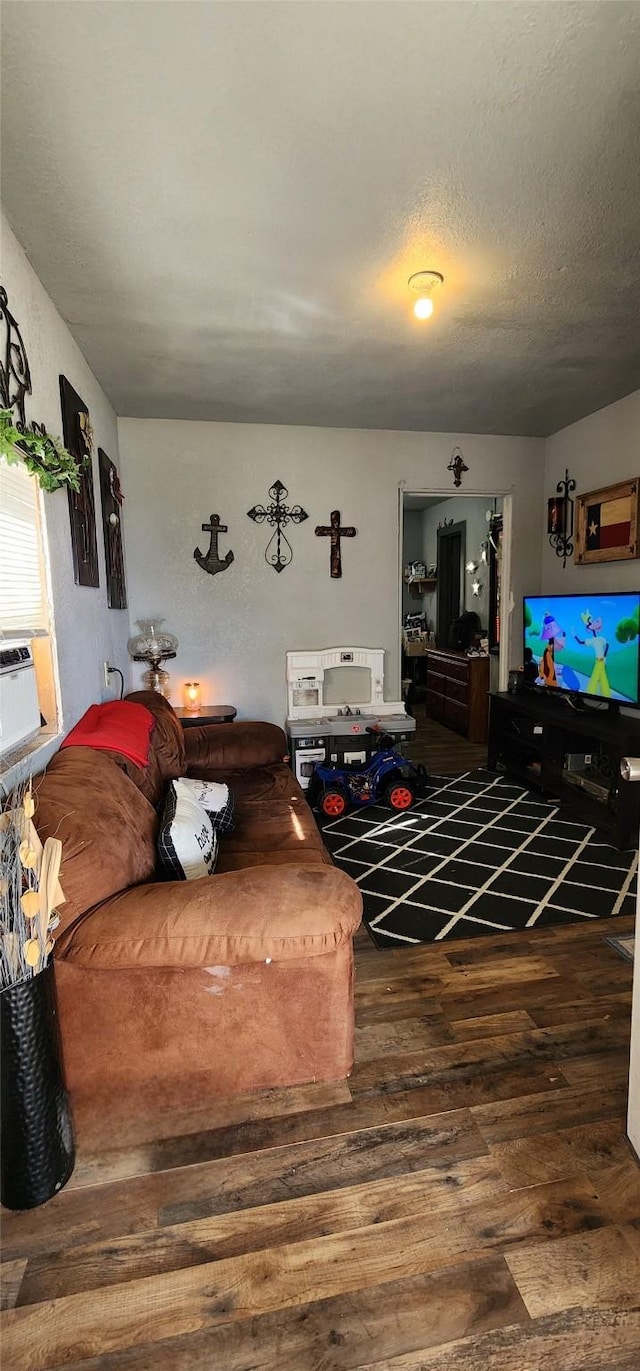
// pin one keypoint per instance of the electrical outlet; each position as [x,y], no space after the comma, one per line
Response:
[106,669]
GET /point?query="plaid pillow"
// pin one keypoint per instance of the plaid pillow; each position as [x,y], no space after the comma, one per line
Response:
[187,843]
[216,798]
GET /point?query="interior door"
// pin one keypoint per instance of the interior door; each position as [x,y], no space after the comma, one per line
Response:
[451,554]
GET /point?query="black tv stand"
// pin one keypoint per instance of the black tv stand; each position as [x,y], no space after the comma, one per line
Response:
[575,702]
[535,738]
[606,708]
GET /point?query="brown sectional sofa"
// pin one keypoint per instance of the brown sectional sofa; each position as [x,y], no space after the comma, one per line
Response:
[241,980]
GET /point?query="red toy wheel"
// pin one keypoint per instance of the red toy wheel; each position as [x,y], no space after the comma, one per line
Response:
[333,803]
[401,795]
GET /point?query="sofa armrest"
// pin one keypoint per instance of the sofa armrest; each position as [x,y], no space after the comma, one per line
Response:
[232,747]
[258,914]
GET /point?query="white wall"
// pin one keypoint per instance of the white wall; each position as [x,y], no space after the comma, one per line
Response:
[87,632]
[598,450]
[234,628]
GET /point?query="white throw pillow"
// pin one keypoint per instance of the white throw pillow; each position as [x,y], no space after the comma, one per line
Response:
[187,842]
[216,798]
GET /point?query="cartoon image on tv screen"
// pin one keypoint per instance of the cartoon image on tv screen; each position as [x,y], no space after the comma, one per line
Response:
[589,645]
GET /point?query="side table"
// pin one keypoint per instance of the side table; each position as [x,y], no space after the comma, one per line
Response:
[207,714]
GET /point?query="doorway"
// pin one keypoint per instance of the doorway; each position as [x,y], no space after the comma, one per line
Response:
[451,542]
[454,557]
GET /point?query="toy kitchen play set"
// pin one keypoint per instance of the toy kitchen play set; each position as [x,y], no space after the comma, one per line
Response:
[333,698]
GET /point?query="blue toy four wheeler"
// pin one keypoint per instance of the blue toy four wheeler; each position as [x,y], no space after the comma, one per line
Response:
[388,778]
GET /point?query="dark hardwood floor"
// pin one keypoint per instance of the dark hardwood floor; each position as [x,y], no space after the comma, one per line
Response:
[467,1201]
[443,752]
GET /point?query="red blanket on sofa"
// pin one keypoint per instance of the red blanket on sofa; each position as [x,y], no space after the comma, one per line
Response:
[117,726]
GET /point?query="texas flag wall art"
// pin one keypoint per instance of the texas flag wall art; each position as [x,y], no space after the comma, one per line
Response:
[607,524]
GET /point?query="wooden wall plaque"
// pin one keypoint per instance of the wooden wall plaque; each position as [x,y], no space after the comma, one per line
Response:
[112,498]
[78,440]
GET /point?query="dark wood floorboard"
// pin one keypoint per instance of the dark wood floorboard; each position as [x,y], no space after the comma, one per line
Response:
[443,752]
[467,1201]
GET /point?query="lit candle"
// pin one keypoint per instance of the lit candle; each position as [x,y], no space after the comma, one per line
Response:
[192,697]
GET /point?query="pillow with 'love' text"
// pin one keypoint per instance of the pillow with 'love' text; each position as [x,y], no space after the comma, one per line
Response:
[187,841]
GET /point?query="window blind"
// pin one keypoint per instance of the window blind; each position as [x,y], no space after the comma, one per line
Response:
[23,601]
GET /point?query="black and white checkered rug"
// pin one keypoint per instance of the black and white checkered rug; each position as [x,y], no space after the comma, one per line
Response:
[476,855]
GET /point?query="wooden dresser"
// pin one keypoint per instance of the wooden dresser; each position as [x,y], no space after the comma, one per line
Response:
[457,692]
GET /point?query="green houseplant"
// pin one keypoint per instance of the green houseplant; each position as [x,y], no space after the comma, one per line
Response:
[43,455]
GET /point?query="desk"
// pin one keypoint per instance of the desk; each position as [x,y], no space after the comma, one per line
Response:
[207,714]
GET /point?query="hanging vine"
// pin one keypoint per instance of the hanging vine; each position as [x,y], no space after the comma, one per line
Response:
[43,455]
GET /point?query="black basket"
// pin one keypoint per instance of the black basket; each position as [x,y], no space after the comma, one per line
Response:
[37,1154]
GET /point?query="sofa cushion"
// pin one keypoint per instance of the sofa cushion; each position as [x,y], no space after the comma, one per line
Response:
[107,828]
[273,821]
[227,747]
[266,913]
[187,842]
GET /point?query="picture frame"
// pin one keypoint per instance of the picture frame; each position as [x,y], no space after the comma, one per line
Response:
[607,523]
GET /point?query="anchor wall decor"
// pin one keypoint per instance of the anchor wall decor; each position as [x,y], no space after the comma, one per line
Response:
[335,533]
[212,562]
[278,552]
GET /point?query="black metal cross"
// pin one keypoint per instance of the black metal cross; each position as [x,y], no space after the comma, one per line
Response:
[457,465]
[335,533]
[278,552]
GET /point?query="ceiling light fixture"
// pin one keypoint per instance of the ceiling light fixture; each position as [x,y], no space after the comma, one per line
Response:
[425,282]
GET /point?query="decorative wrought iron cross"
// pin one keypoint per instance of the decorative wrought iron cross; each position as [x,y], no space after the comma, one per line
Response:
[278,552]
[335,533]
[15,377]
[457,465]
[212,562]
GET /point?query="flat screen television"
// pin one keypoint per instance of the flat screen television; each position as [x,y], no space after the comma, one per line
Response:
[584,645]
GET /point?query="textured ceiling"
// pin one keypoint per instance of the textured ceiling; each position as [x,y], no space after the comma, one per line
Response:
[225,202]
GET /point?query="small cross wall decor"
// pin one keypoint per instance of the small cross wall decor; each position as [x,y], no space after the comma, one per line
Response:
[457,465]
[335,532]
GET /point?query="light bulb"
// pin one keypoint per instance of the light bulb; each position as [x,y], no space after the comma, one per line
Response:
[423,308]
